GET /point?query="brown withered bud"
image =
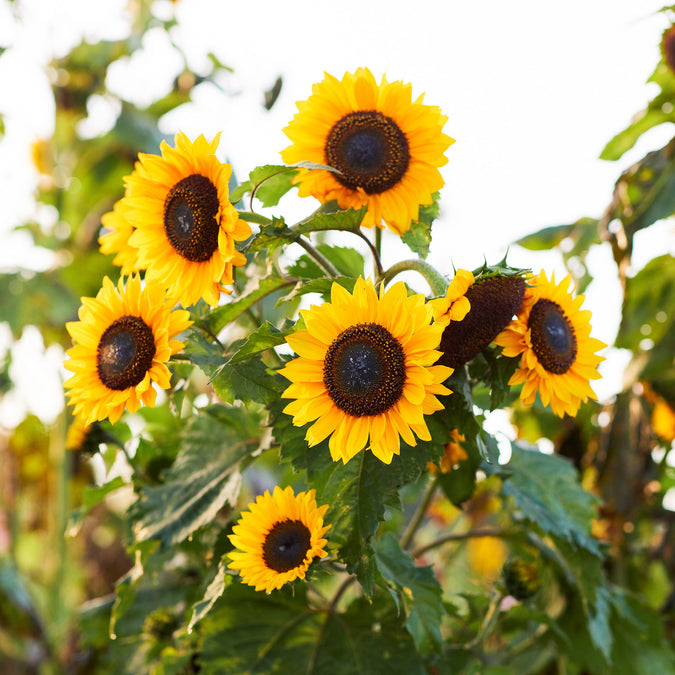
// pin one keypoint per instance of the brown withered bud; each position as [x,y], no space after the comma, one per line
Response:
[668,47]
[494,300]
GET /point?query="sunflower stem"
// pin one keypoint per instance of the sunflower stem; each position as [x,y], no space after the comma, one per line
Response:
[419,513]
[327,265]
[378,241]
[461,536]
[437,282]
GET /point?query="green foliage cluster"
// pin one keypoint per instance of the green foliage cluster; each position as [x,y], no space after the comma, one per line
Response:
[412,583]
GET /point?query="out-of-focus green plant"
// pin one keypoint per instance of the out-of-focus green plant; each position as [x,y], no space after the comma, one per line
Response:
[439,559]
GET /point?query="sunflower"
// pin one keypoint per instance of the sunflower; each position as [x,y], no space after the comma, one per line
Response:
[115,239]
[365,371]
[493,301]
[552,333]
[455,305]
[453,454]
[185,227]
[385,147]
[278,538]
[122,343]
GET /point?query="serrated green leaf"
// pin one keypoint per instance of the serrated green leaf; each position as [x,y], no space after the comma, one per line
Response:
[347,261]
[270,237]
[546,491]
[419,591]
[277,634]
[204,478]
[348,219]
[248,381]
[261,339]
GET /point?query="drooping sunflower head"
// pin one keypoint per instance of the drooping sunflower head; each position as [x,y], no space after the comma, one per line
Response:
[184,225]
[558,356]
[364,373]
[493,301]
[115,239]
[668,47]
[385,147]
[278,538]
[122,343]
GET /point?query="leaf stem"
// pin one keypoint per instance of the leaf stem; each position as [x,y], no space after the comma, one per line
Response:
[437,282]
[417,517]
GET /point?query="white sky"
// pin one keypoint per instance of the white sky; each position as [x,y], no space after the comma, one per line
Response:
[533,90]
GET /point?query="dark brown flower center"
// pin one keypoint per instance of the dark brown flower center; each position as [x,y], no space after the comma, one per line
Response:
[553,339]
[370,151]
[364,370]
[286,545]
[493,301]
[125,352]
[190,223]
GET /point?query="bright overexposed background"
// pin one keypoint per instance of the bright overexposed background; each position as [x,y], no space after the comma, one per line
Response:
[533,90]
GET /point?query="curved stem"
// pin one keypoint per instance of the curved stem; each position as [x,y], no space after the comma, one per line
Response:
[437,282]
[373,249]
[327,265]
[378,241]
[460,536]
[419,513]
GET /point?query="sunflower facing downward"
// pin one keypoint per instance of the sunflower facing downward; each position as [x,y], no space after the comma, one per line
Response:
[552,333]
[278,538]
[386,147]
[365,371]
[122,343]
[185,226]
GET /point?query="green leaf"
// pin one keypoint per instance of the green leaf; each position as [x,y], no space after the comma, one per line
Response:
[652,116]
[225,314]
[270,237]
[645,192]
[91,496]
[419,591]
[418,236]
[263,338]
[204,478]
[649,304]
[348,219]
[277,634]
[213,591]
[546,491]
[248,381]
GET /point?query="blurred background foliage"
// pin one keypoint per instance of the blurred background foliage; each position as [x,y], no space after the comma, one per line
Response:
[65,538]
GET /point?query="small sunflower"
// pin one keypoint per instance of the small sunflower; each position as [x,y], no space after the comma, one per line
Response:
[386,147]
[365,371]
[122,343]
[115,239]
[278,538]
[78,434]
[453,454]
[185,226]
[493,302]
[552,333]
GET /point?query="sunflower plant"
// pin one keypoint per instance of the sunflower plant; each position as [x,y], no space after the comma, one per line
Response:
[310,473]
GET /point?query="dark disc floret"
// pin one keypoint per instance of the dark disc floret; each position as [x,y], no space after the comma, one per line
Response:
[553,339]
[190,223]
[125,353]
[364,370]
[493,301]
[286,545]
[370,151]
